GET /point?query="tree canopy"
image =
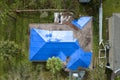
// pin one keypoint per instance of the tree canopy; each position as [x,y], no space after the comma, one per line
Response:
[9,49]
[54,65]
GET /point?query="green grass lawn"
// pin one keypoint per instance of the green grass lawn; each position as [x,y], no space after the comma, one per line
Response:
[109,7]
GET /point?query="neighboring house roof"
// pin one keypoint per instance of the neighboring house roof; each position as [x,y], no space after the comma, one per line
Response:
[45,44]
[114,37]
[81,22]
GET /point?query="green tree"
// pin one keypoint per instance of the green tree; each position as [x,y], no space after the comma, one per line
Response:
[54,65]
[7,10]
[9,49]
[10,54]
[117,78]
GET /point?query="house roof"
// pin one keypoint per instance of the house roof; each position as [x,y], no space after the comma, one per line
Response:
[45,44]
[55,36]
[81,22]
[42,46]
[79,58]
[114,37]
[83,36]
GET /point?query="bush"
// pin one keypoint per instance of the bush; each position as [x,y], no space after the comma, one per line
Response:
[54,65]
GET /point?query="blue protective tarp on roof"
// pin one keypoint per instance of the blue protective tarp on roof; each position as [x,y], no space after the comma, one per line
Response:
[53,36]
[81,22]
[62,57]
[79,59]
[42,47]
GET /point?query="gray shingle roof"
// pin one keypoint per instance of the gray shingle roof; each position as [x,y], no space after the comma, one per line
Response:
[114,37]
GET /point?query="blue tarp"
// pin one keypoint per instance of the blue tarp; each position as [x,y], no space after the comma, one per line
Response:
[55,36]
[45,44]
[79,58]
[62,57]
[42,47]
[81,22]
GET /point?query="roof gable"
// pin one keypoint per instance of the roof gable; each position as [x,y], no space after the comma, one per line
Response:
[81,22]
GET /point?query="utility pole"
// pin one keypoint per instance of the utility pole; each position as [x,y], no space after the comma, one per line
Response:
[100,22]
